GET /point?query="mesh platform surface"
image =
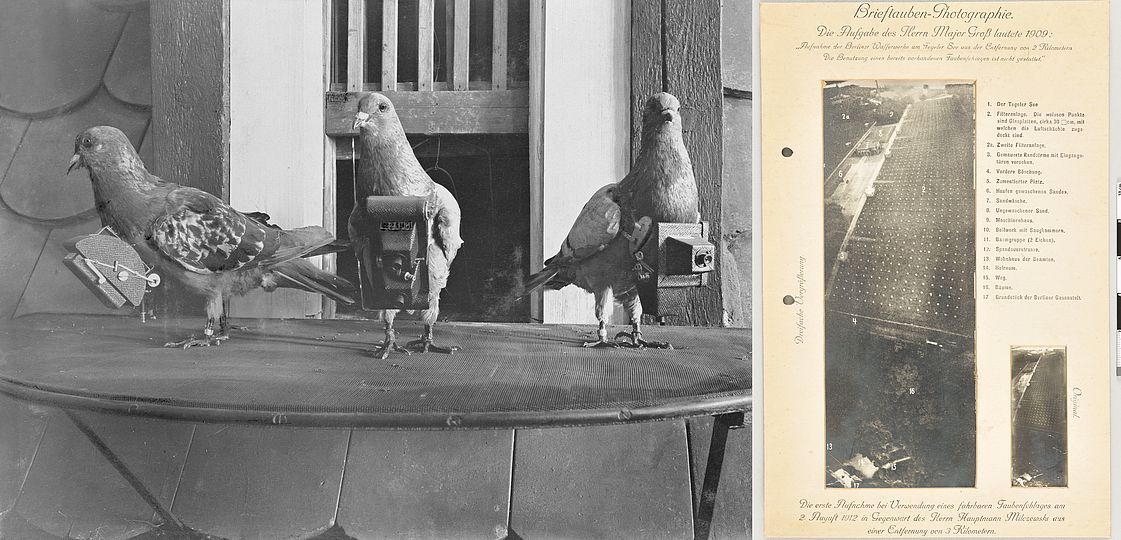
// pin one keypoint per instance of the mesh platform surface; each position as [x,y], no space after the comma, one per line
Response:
[320,373]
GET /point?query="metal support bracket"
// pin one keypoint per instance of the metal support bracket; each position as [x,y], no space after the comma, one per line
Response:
[702,515]
[170,522]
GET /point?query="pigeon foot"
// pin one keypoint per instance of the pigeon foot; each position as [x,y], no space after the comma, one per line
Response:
[383,350]
[193,341]
[425,345]
[601,344]
[635,341]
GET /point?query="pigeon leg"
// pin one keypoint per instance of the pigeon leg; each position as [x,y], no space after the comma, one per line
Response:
[214,312]
[634,309]
[390,343]
[602,297]
[224,327]
[425,344]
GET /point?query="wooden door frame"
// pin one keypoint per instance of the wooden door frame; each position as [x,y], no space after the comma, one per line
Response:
[536,148]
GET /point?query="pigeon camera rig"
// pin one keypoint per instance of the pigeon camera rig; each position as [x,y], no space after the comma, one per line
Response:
[398,239]
[676,257]
[110,268]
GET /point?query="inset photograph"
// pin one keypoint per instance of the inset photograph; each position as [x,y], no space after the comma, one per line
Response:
[1039,417]
[899,195]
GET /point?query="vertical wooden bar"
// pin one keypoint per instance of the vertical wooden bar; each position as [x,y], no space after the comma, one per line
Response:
[356,45]
[536,147]
[732,515]
[462,44]
[693,74]
[449,39]
[329,181]
[330,217]
[389,45]
[646,61]
[191,130]
[498,46]
[426,27]
[736,194]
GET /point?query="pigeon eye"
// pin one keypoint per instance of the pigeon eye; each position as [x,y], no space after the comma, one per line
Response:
[383,107]
[87,142]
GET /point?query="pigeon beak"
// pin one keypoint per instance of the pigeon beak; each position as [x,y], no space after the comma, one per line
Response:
[667,114]
[361,119]
[75,163]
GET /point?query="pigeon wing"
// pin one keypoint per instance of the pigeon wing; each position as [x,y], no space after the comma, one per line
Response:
[595,227]
[445,236]
[205,235]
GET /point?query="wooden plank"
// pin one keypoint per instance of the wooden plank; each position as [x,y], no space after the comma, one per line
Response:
[329,181]
[462,121]
[330,217]
[426,28]
[264,182]
[449,45]
[462,33]
[732,515]
[499,45]
[735,44]
[73,492]
[356,45]
[439,112]
[437,86]
[424,484]
[190,89]
[577,166]
[20,247]
[262,482]
[389,45]
[21,429]
[23,239]
[628,481]
[735,212]
[735,200]
[536,122]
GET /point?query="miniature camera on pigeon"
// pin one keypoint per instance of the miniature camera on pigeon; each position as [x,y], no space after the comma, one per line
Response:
[405,227]
[400,226]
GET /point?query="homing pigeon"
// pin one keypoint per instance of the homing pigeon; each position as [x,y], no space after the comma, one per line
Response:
[389,167]
[599,253]
[193,236]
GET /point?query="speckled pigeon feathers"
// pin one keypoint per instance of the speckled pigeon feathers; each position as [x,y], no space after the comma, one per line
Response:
[204,235]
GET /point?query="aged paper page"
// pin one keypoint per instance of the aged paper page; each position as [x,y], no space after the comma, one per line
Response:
[935,238]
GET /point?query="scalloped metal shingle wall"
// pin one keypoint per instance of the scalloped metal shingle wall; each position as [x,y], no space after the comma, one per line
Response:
[67,65]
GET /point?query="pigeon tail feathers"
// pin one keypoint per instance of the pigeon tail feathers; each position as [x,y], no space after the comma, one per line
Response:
[301,274]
